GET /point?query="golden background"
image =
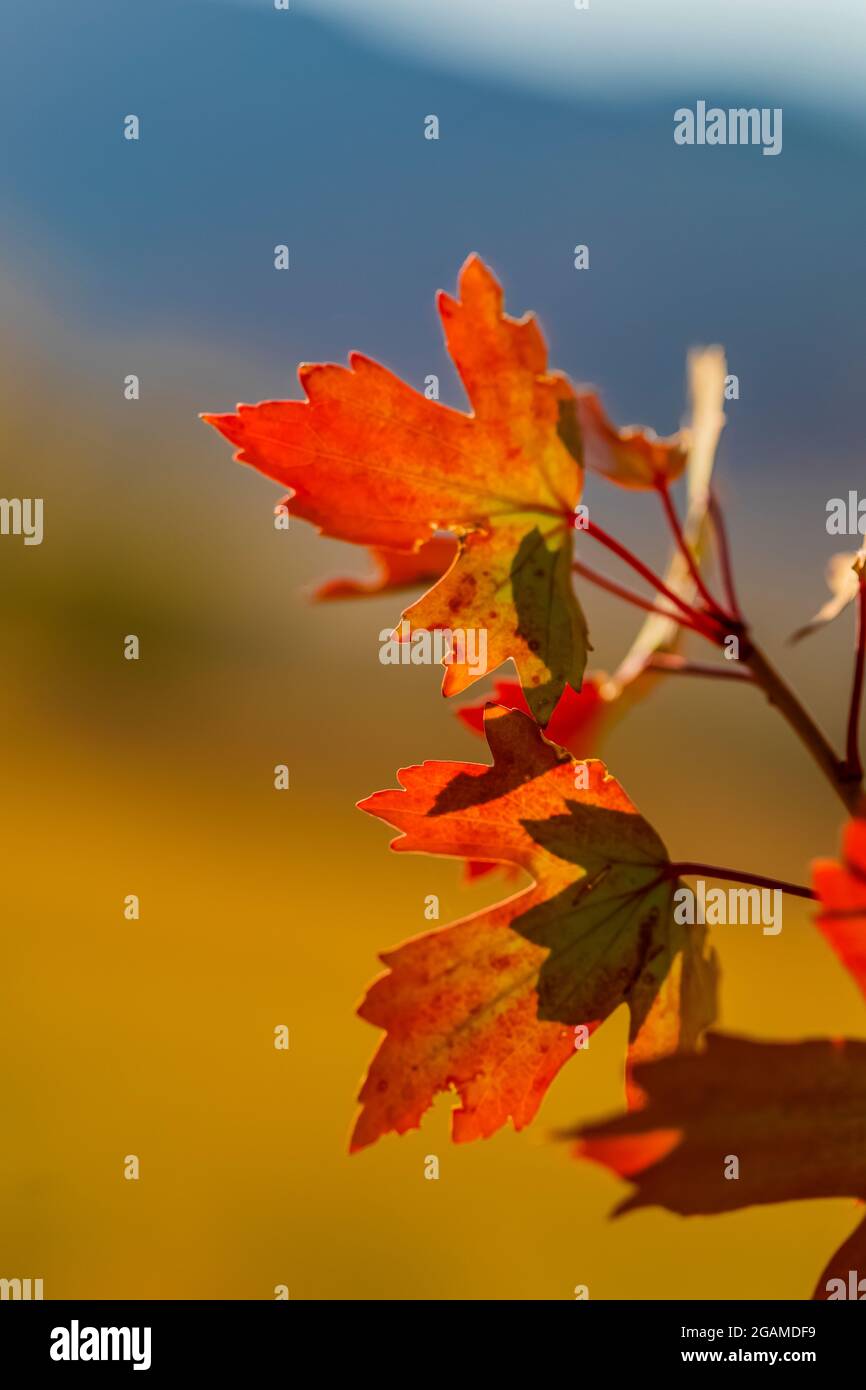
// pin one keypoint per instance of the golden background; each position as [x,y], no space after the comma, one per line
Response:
[259,908]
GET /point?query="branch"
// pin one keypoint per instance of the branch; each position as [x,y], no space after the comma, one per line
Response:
[678,666]
[844,782]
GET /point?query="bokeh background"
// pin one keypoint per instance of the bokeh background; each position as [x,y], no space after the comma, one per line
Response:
[155,777]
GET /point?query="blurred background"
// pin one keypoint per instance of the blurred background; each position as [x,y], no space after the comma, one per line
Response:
[155,777]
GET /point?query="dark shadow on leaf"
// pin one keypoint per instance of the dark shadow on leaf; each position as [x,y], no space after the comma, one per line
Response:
[540,574]
[521,753]
[594,831]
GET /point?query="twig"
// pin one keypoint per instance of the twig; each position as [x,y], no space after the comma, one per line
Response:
[724,556]
[624,554]
[629,596]
[797,890]
[845,783]
[664,492]
[679,666]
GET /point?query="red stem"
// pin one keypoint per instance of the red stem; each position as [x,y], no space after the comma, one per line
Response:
[664,492]
[695,619]
[620,591]
[725,556]
[854,765]
[757,880]
[678,665]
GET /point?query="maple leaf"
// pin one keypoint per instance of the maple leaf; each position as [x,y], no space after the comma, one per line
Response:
[574,724]
[843,580]
[794,1115]
[632,457]
[487,1005]
[395,570]
[459,1007]
[636,457]
[372,461]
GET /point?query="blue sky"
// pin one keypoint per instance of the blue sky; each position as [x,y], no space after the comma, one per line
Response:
[306,128]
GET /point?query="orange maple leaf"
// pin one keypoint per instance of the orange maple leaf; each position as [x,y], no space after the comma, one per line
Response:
[632,457]
[372,461]
[395,570]
[489,1004]
[792,1113]
[574,724]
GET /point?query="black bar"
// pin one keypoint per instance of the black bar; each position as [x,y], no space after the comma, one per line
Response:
[218,1338]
